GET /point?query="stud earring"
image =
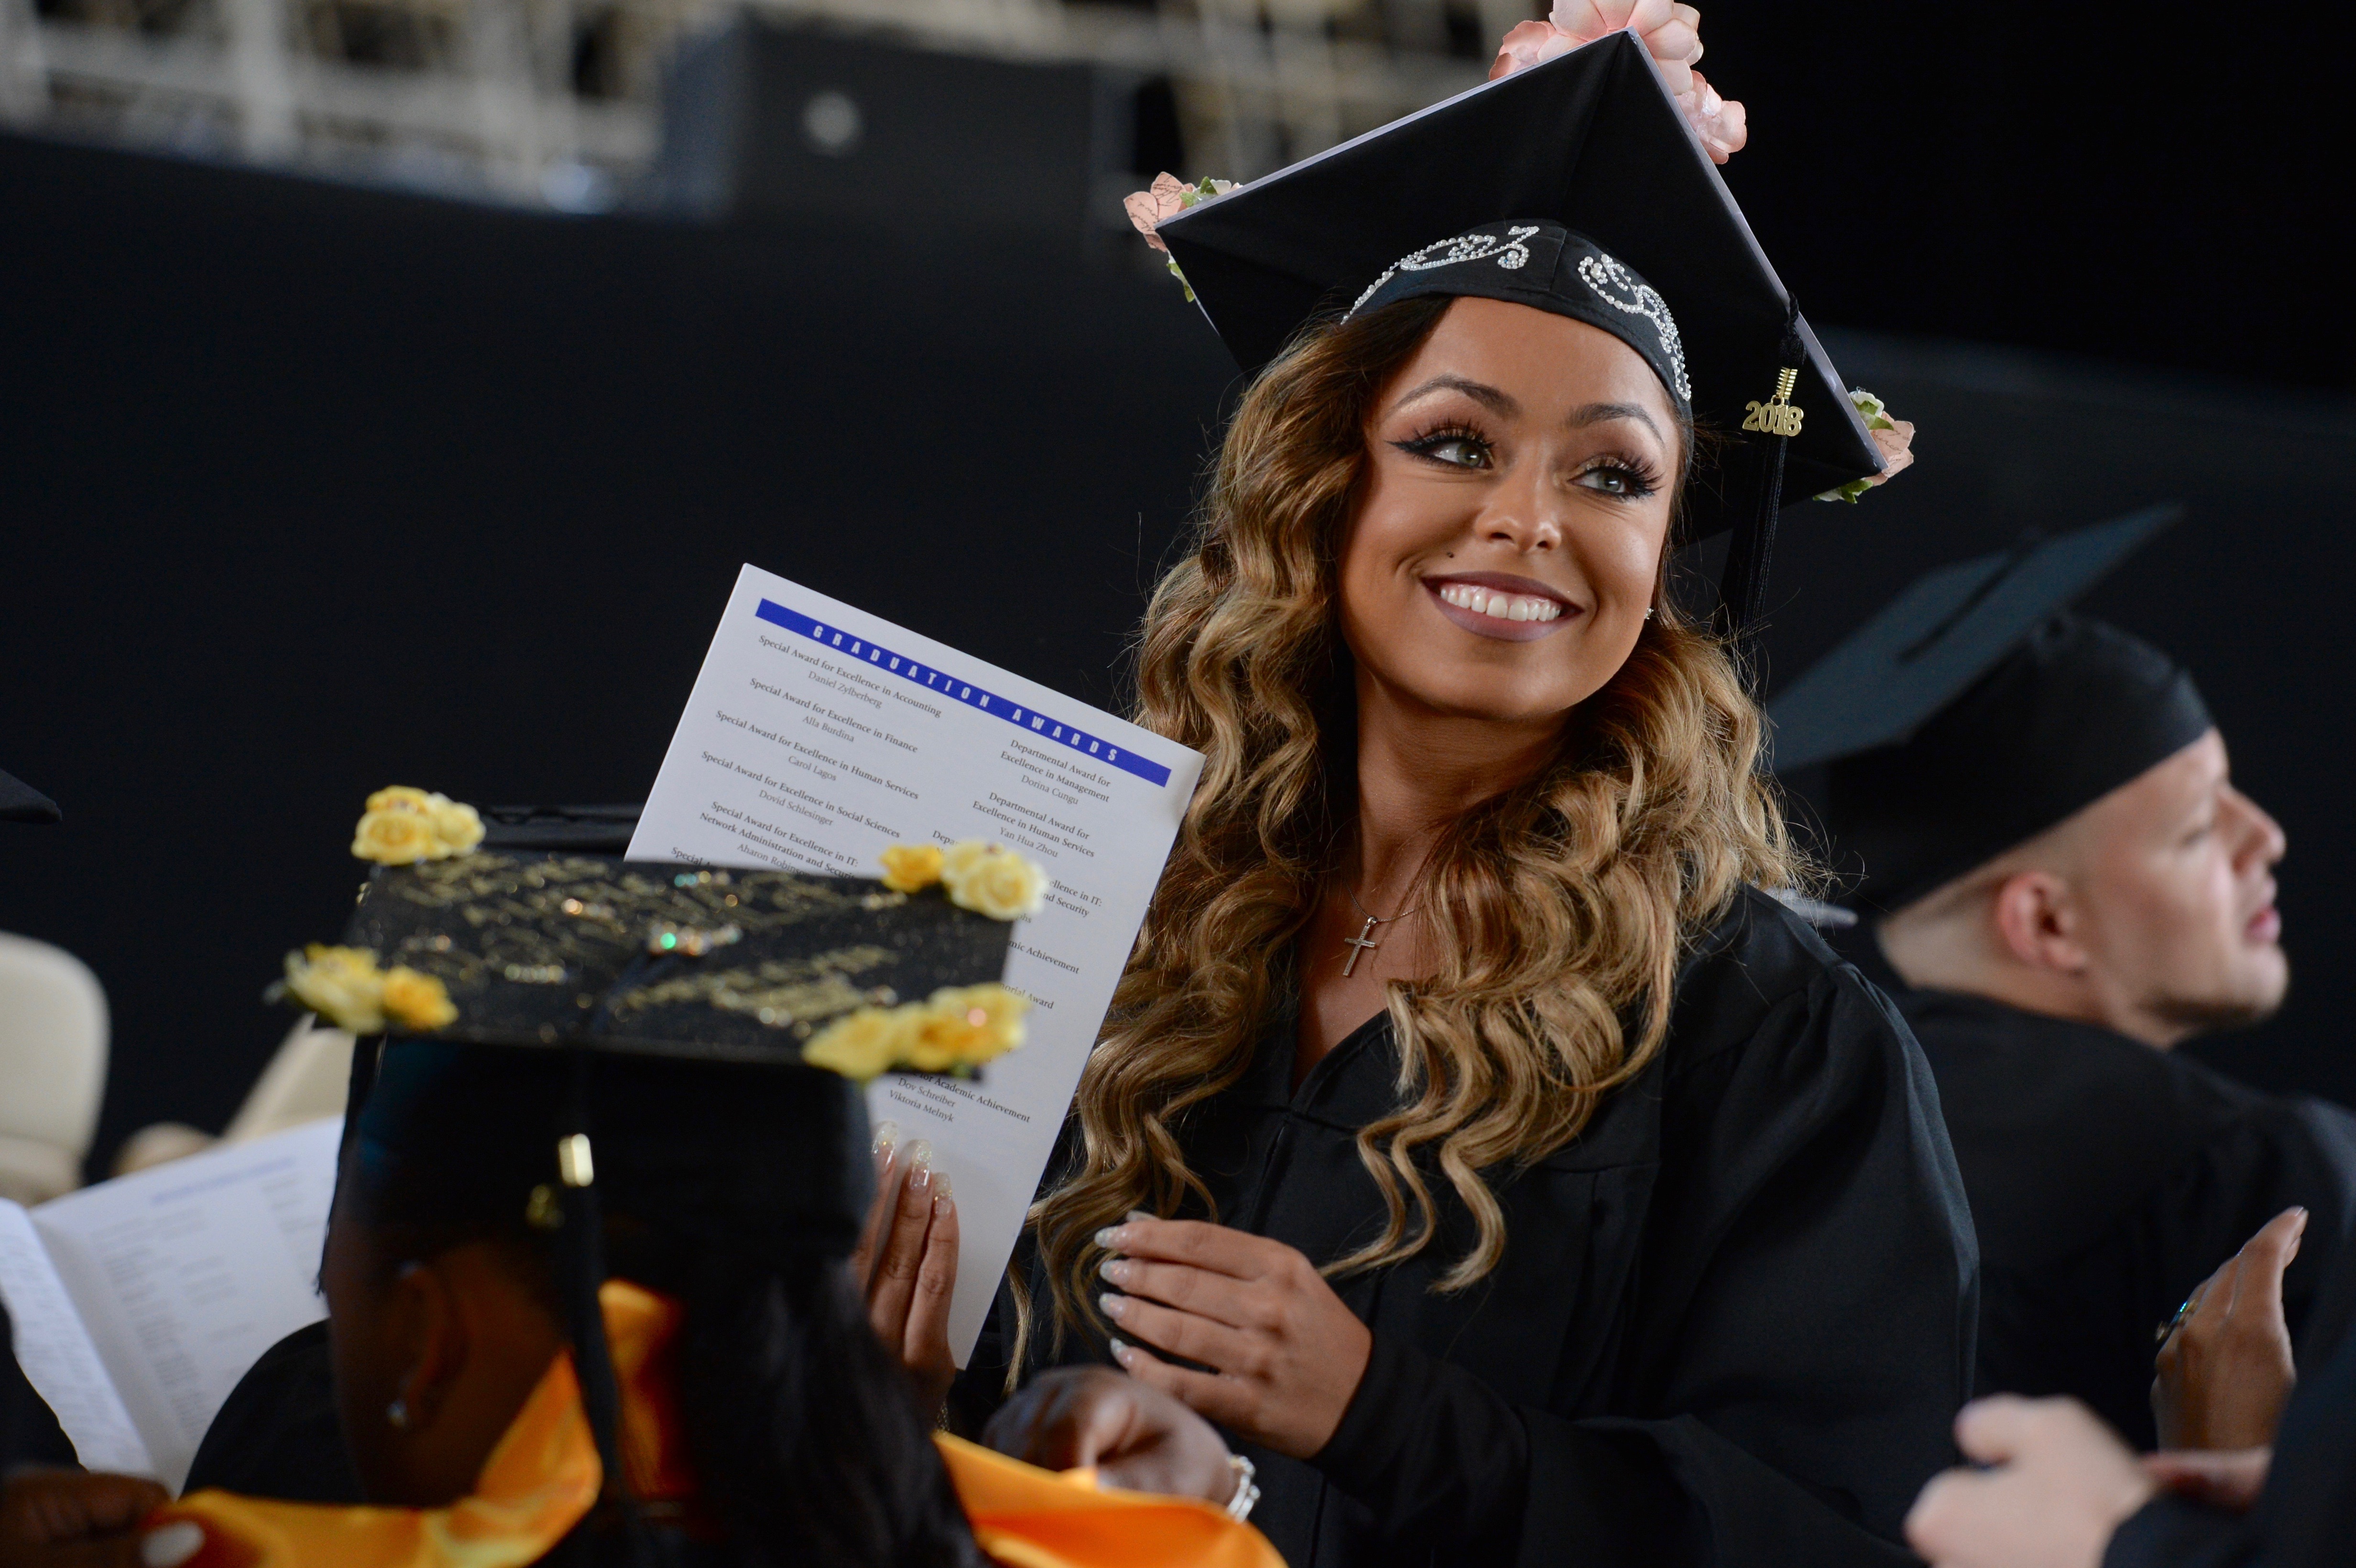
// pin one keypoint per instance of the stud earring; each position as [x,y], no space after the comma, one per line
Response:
[397,1414]
[1648,612]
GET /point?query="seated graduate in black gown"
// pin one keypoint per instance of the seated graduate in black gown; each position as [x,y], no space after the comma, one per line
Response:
[2065,883]
[590,1274]
[1523,1184]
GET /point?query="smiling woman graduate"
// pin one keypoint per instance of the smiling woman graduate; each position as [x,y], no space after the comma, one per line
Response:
[1472,1137]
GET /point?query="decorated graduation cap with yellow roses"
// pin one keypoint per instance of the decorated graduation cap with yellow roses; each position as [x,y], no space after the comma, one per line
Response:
[595,953]
[546,1033]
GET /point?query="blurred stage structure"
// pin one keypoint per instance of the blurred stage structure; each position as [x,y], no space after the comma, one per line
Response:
[558,103]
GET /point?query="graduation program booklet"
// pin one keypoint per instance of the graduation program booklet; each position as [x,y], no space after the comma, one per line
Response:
[138,1303]
[818,735]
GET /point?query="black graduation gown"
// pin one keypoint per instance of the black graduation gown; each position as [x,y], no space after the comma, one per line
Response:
[1731,1324]
[2108,1180]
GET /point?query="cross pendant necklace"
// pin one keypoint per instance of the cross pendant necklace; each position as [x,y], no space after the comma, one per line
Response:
[1364,943]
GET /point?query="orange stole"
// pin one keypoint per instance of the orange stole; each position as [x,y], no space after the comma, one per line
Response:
[1029,1518]
[545,1475]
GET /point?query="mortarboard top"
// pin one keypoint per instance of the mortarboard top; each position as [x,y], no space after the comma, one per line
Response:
[657,959]
[20,802]
[595,830]
[1975,712]
[1946,630]
[1590,140]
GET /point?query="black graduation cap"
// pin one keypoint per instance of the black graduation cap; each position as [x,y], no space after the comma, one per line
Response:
[660,959]
[1971,713]
[632,1031]
[20,802]
[1590,141]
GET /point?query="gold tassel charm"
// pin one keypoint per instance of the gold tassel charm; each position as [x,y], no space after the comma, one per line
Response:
[1778,415]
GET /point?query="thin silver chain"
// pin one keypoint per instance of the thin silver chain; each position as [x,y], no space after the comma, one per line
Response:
[1377,919]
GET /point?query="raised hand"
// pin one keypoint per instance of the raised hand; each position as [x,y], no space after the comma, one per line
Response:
[908,1262]
[2225,1369]
[1138,1437]
[1286,1354]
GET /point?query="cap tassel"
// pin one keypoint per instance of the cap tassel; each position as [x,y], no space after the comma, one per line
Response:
[581,1271]
[1742,587]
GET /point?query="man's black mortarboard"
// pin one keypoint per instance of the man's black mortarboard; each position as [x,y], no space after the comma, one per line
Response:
[20,802]
[624,1002]
[1575,185]
[1971,714]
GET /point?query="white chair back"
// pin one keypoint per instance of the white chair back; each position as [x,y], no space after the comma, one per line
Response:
[305,1081]
[52,1067]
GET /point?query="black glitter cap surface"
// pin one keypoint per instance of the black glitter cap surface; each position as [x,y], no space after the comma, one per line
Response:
[657,959]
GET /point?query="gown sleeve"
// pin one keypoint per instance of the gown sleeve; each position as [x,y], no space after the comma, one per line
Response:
[1800,1339]
[2170,1532]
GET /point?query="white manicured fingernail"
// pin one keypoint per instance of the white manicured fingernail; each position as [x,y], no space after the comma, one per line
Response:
[1139,1214]
[169,1545]
[1120,1351]
[1115,1270]
[940,1187]
[1114,1305]
[887,1135]
[1109,1238]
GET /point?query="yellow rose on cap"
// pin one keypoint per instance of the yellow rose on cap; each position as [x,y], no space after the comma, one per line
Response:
[404,826]
[908,868]
[419,1003]
[342,985]
[997,882]
[960,857]
[990,1015]
[396,836]
[457,826]
[965,1027]
[864,1044]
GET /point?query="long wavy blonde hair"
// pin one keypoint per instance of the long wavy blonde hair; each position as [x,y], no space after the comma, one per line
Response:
[1558,909]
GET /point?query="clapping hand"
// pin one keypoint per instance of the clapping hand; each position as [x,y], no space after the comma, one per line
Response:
[1285,1353]
[2225,1370]
[2057,1483]
[1137,1438]
[908,1262]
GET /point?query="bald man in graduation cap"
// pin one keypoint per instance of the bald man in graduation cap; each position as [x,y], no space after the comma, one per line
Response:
[2061,884]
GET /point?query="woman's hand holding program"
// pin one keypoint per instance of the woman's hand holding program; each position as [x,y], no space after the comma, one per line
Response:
[908,1262]
[1285,1354]
[2225,1371]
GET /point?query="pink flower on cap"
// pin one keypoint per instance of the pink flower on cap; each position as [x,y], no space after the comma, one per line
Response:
[1670,34]
[1164,198]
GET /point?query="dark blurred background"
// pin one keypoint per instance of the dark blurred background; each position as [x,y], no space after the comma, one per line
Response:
[309,486]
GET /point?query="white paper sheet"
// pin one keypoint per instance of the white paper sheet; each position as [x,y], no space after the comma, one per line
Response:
[56,1355]
[819,734]
[182,1276]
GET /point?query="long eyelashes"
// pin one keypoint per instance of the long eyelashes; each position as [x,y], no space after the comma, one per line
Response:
[1633,477]
[1432,444]
[1622,476]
